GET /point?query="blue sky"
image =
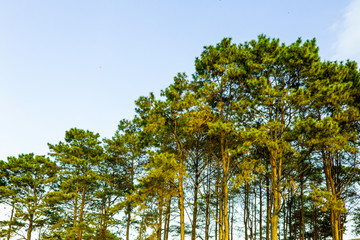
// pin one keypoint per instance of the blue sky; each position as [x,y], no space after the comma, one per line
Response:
[83,63]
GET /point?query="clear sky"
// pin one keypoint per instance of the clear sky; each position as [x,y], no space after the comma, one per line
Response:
[83,63]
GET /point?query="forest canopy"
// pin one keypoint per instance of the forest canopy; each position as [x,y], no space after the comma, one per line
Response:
[260,143]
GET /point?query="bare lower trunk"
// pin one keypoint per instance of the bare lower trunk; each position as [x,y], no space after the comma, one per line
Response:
[226,210]
[255,209]
[207,217]
[232,221]
[11,220]
[261,209]
[335,222]
[195,210]
[75,211]
[160,220]
[29,231]
[207,210]
[268,208]
[225,189]
[102,220]
[81,214]
[274,225]
[302,207]
[221,217]
[246,211]
[181,208]
[128,213]
[275,170]
[167,220]
[217,204]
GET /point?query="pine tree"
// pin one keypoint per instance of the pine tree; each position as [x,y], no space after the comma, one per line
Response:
[78,157]
[30,178]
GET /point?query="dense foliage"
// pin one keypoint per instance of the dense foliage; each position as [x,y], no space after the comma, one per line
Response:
[261,143]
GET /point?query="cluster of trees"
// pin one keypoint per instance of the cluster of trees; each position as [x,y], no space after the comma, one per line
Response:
[261,143]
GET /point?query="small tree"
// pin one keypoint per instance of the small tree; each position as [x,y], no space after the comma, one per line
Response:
[29,178]
[78,157]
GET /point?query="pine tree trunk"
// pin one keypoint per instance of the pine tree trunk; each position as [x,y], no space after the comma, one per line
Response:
[335,223]
[315,223]
[75,211]
[221,216]
[128,219]
[225,190]
[255,210]
[207,199]
[261,210]
[181,206]
[81,214]
[226,210]
[285,227]
[207,216]
[302,207]
[217,218]
[167,220]
[102,220]
[217,204]
[268,207]
[290,216]
[160,220]
[193,231]
[246,211]
[232,221]
[11,219]
[30,228]
[275,176]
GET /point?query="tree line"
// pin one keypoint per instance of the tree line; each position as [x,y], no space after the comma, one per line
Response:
[260,143]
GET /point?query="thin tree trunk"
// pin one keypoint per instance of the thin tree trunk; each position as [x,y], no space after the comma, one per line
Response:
[255,209]
[246,211]
[11,219]
[160,220]
[290,216]
[268,208]
[275,178]
[167,220]
[207,213]
[193,231]
[221,216]
[81,214]
[232,220]
[217,204]
[29,231]
[285,227]
[181,205]
[102,220]
[225,207]
[315,223]
[217,217]
[128,220]
[302,229]
[261,209]
[75,211]
[225,190]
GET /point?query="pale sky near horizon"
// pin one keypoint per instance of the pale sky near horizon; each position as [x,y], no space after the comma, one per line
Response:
[83,63]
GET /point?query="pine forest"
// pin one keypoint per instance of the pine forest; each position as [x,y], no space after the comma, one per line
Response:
[260,143]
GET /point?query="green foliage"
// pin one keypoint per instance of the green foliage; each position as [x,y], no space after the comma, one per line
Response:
[28,179]
[258,116]
[79,158]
